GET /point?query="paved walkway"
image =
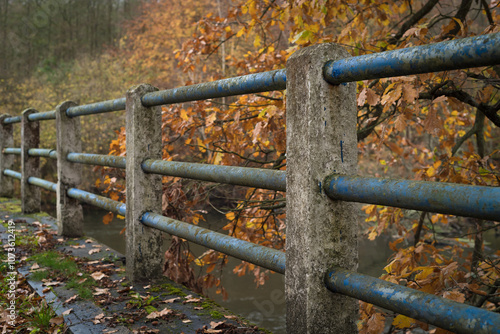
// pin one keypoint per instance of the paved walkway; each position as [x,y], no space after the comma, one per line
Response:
[112,304]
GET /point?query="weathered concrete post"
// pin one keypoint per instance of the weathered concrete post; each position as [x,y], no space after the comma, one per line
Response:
[69,210]
[30,166]
[6,160]
[144,256]
[321,139]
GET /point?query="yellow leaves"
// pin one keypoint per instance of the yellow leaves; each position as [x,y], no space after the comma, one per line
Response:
[257,41]
[184,115]
[210,119]
[402,321]
[230,216]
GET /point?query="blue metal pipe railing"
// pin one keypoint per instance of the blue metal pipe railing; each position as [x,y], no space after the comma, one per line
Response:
[97,108]
[444,313]
[243,176]
[13,174]
[247,251]
[42,116]
[98,159]
[43,152]
[12,150]
[96,200]
[51,186]
[12,120]
[247,84]
[450,55]
[440,197]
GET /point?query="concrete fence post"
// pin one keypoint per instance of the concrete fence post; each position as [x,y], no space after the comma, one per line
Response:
[143,124]
[69,174]
[6,160]
[30,166]
[320,233]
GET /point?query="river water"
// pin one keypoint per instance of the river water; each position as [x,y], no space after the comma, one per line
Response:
[264,306]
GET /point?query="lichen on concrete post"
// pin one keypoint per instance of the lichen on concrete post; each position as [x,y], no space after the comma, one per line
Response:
[6,160]
[30,166]
[144,255]
[69,210]
[320,233]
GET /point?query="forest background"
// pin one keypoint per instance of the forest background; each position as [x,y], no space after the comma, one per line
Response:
[438,127]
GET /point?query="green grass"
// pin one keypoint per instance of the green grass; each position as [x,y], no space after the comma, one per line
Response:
[59,265]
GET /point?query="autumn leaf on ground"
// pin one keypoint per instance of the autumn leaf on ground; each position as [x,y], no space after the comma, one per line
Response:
[70,299]
[171,300]
[99,292]
[94,250]
[159,314]
[98,318]
[98,275]
[67,312]
[57,320]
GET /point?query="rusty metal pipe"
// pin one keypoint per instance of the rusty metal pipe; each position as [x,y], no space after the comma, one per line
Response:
[440,197]
[450,55]
[97,159]
[51,186]
[242,176]
[247,251]
[441,312]
[13,174]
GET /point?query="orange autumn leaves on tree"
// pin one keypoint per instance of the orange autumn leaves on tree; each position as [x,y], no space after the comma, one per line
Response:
[438,127]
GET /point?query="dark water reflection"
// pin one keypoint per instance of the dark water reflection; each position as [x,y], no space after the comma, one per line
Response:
[264,306]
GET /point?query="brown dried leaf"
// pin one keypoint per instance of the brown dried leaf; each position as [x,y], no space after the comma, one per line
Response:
[67,311]
[70,299]
[98,275]
[57,320]
[94,250]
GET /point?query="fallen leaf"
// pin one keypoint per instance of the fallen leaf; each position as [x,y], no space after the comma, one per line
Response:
[155,315]
[94,250]
[93,262]
[67,311]
[98,318]
[99,292]
[51,283]
[193,300]
[77,246]
[214,324]
[171,300]
[89,241]
[70,299]
[57,320]
[82,280]
[230,317]
[147,287]
[211,331]
[35,266]
[46,290]
[198,308]
[98,275]
[186,321]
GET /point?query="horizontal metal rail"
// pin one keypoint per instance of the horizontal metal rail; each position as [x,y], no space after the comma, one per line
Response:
[441,312]
[12,150]
[13,174]
[12,120]
[43,152]
[51,186]
[242,176]
[247,251]
[439,197]
[96,200]
[247,84]
[97,108]
[42,116]
[98,159]
[450,55]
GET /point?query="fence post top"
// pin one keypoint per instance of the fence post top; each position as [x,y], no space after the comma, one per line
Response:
[321,50]
[142,89]
[29,111]
[65,106]
[2,117]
